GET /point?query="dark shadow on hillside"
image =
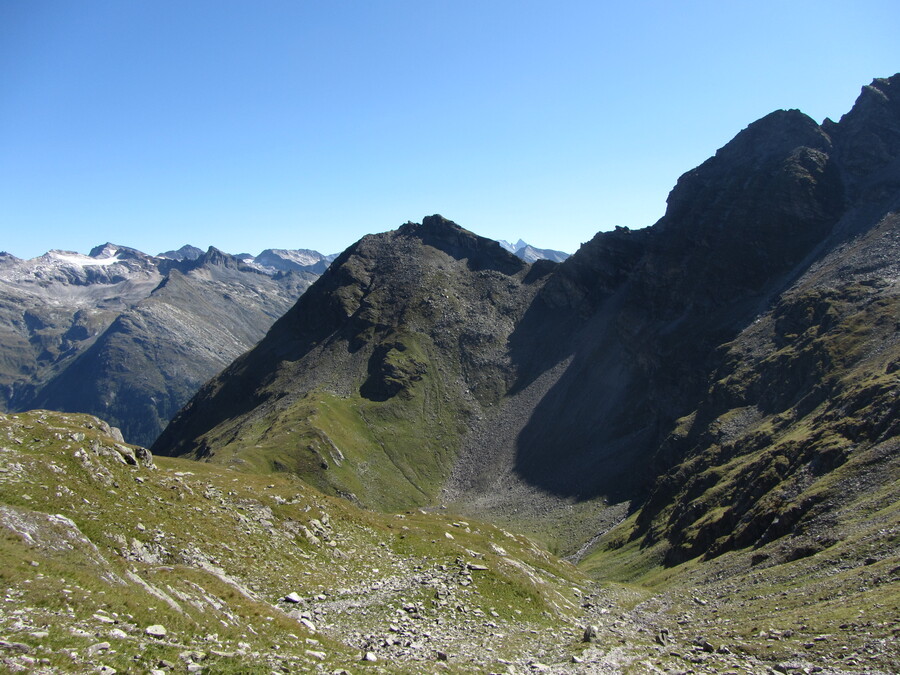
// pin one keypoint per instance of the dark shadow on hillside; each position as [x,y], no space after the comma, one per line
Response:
[593,430]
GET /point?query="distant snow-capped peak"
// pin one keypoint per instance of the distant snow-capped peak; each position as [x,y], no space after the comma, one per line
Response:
[529,253]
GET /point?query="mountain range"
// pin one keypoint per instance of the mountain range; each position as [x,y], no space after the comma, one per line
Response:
[428,364]
[702,415]
[131,337]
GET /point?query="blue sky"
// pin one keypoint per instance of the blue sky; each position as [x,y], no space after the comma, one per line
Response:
[300,124]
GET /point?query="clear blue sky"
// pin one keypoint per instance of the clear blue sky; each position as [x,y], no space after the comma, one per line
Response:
[308,124]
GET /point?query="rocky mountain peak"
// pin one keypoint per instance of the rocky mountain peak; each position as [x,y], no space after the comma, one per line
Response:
[867,138]
[186,252]
[763,153]
[877,106]
[107,250]
[214,256]
[445,235]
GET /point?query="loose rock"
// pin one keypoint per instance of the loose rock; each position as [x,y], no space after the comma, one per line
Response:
[156,631]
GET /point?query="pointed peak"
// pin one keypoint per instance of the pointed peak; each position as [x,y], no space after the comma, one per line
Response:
[214,256]
[868,136]
[776,134]
[107,250]
[882,91]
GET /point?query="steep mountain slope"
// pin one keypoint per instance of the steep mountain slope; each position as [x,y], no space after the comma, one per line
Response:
[127,335]
[369,382]
[797,435]
[641,324]
[553,397]
[54,306]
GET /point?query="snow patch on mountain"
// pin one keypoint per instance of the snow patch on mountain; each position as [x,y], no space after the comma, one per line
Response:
[81,260]
[274,260]
[530,254]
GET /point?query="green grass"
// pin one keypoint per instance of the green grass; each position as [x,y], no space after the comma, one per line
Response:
[228,545]
[387,455]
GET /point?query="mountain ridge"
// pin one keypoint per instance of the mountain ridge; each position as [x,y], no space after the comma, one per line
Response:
[384,346]
[620,339]
[96,333]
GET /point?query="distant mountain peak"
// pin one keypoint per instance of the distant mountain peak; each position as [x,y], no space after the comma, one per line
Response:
[525,251]
[273,260]
[186,252]
[106,250]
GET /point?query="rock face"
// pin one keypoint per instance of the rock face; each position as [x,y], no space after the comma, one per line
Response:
[653,371]
[128,336]
[798,421]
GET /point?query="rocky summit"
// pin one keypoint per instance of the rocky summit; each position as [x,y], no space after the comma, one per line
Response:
[674,451]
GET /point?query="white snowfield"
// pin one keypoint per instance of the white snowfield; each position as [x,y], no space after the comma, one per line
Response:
[81,260]
[68,279]
[301,257]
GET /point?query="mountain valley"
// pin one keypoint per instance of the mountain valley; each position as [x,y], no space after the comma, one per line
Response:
[674,451]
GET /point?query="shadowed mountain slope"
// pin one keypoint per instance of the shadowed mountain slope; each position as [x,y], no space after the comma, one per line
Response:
[655,304]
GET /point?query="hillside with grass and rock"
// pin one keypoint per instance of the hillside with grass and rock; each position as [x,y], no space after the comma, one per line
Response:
[718,386]
[114,560]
